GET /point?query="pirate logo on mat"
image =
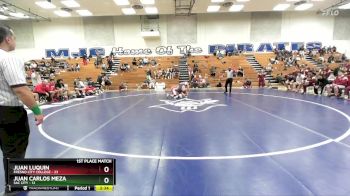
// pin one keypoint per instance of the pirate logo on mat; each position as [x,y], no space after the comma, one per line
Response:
[187,105]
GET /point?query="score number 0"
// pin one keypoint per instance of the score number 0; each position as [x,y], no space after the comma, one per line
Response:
[106,170]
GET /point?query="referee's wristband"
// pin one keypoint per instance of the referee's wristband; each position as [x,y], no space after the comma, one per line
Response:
[36,110]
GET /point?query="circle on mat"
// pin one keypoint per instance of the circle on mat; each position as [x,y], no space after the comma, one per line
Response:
[263,154]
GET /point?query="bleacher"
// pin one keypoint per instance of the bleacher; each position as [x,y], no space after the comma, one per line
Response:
[136,76]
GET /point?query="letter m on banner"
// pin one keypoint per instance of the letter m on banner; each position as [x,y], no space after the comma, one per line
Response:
[62,52]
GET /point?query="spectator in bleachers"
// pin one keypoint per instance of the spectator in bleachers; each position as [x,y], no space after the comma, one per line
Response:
[331,59]
[148,74]
[219,84]
[247,83]
[297,85]
[90,89]
[145,61]
[342,84]
[134,61]
[321,82]
[79,88]
[280,79]
[52,70]
[309,81]
[212,71]
[89,81]
[339,83]
[151,83]
[53,61]
[109,62]
[269,69]
[195,81]
[103,66]
[52,76]
[240,72]
[85,59]
[124,67]
[202,82]
[42,89]
[334,49]
[98,60]
[36,78]
[33,65]
[153,62]
[331,78]
[261,79]
[99,80]
[290,79]
[77,67]
[195,68]
[343,58]
[106,82]
[61,90]
[347,88]
[123,87]
[157,73]
[168,73]
[52,90]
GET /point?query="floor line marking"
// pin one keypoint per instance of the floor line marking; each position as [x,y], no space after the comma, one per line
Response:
[278,164]
[160,154]
[283,119]
[338,139]
[99,128]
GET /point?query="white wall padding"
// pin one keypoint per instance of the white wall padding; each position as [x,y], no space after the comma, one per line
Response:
[182,29]
[99,31]
[24,33]
[341,26]
[265,26]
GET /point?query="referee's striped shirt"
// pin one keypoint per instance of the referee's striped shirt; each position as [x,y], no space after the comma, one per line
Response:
[12,74]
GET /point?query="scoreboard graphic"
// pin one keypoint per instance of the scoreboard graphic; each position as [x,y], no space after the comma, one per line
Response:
[82,174]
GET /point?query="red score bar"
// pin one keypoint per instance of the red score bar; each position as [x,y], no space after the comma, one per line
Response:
[71,170]
[58,167]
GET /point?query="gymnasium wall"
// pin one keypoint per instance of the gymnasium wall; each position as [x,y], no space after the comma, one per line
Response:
[198,31]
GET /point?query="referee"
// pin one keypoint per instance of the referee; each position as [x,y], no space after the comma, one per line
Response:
[229,79]
[14,128]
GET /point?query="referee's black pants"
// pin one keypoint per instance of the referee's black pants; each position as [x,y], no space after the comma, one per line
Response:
[14,133]
[228,82]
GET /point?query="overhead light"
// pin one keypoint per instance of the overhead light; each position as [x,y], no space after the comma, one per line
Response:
[217,1]
[151,10]
[236,8]
[213,8]
[128,11]
[18,15]
[121,2]
[45,4]
[281,7]
[147,2]
[62,13]
[345,6]
[70,3]
[2,17]
[84,12]
[242,0]
[304,6]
